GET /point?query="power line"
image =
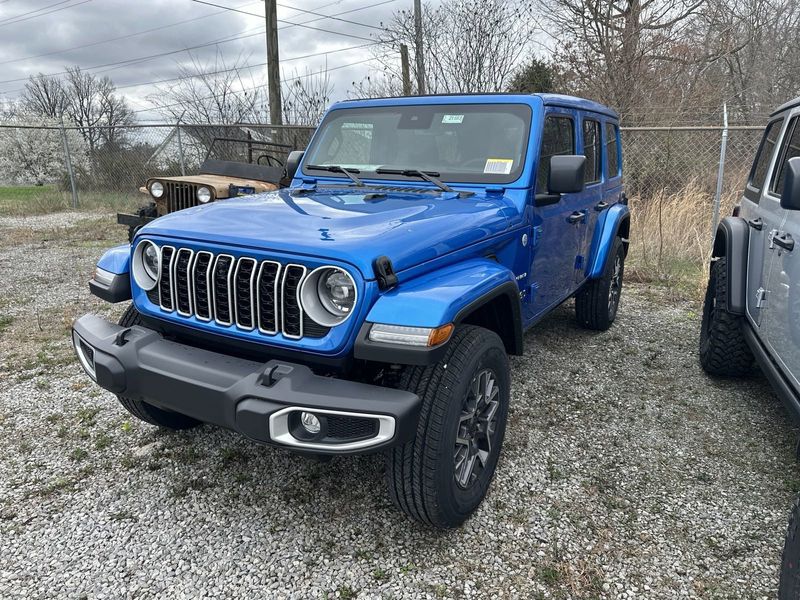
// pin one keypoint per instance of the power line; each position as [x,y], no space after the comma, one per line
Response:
[151,56]
[30,12]
[304,26]
[247,66]
[223,40]
[311,12]
[250,89]
[15,20]
[115,39]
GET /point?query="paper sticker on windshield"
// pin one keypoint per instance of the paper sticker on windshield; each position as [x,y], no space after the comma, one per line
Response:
[455,119]
[498,166]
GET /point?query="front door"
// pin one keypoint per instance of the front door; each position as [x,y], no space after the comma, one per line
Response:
[763,213]
[782,316]
[557,226]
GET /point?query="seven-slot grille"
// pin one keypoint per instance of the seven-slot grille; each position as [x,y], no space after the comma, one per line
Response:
[180,195]
[250,294]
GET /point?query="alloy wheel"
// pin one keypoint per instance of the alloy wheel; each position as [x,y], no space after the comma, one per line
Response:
[477,428]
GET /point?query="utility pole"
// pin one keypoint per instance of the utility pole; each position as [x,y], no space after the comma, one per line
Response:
[418,47]
[405,69]
[273,64]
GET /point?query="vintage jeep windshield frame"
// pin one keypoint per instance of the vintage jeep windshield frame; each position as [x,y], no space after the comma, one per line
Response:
[465,143]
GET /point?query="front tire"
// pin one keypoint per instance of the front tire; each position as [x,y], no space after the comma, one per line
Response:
[442,475]
[597,303]
[142,410]
[723,349]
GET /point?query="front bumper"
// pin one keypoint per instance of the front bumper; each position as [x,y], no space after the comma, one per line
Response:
[259,400]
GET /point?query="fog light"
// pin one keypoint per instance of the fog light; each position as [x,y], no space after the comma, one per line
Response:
[310,422]
[85,355]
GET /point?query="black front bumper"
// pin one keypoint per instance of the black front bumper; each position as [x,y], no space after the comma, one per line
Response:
[250,397]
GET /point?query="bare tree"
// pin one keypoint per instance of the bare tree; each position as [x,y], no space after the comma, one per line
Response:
[44,96]
[82,99]
[306,97]
[470,46]
[211,93]
[621,52]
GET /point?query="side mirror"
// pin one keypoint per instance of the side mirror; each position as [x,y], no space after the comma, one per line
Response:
[293,162]
[566,174]
[790,198]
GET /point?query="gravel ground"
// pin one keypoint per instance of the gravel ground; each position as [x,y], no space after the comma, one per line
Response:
[626,472]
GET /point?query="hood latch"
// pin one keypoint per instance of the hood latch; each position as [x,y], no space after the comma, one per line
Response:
[384,273]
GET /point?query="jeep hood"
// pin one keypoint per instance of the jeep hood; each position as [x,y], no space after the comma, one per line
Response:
[349,225]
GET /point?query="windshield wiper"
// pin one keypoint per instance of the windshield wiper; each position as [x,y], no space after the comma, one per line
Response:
[337,169]
[430,176]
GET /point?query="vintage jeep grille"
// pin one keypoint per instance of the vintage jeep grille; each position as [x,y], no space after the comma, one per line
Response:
[244,292]
[180,195]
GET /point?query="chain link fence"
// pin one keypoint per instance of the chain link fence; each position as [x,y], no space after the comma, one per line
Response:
[40,165]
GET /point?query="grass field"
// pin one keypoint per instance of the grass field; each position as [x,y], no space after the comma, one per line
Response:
[43,199]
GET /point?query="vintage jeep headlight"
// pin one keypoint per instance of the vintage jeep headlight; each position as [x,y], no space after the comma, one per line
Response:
[203,195]
[146,264]
[328,295]
[156,189]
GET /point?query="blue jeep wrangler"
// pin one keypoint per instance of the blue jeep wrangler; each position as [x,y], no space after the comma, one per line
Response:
[372,305]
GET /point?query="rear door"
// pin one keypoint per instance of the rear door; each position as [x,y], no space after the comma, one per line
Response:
[781,319]
[594,181]
[556,232]
[763,213]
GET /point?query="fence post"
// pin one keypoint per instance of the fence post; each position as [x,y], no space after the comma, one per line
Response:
[720,172]
[180,145]
[68,163]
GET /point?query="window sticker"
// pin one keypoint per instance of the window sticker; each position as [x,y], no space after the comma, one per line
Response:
[498,166]
[453,119]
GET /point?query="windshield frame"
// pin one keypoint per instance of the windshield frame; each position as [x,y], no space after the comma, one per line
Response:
[522,109]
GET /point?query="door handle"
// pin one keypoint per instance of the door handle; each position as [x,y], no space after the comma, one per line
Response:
[602,205]
[784,240]
[756,224]
[576,216]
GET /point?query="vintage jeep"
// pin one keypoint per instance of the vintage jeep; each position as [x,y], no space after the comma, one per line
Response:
[372,305]
[217,179]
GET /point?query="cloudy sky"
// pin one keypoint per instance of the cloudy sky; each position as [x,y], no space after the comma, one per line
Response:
[138,42]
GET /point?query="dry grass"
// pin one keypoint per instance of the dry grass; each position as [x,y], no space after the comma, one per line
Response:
[671,238]
[39,200]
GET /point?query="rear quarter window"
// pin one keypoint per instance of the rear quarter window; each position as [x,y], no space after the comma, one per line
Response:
[612,149]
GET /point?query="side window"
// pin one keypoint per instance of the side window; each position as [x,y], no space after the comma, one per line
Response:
[791,149]
[558,138]
[759,171]
[591,148]
[612,149]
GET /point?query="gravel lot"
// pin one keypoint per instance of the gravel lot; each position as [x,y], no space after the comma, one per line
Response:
[626,472]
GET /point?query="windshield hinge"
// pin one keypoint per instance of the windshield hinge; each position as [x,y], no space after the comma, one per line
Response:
[495,189]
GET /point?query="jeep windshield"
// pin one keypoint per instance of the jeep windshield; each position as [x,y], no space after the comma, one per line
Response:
[462,143]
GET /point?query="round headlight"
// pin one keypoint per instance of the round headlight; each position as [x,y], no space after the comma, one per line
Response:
[150,260]
[156,189]
[146,264]
[203,195]
[328,295]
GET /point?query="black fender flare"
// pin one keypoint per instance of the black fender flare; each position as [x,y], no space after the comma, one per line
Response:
[732,241]
[365,349]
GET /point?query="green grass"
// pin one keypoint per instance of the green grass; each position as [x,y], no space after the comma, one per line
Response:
[44,199]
